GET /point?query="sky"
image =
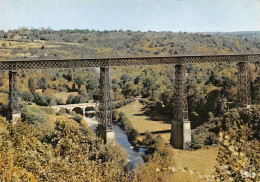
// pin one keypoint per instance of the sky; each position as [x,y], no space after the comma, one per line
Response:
[143,15]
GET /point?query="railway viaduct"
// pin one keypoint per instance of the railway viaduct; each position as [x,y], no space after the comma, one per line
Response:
[181,130]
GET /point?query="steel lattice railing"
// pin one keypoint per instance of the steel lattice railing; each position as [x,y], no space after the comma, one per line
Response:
[76,63]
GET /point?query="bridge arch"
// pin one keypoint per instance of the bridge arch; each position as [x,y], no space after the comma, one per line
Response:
[78,110]
[90,111]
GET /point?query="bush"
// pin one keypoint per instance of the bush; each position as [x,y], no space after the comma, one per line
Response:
[76,99]
[61,111]
[33,115]
[3,120]
[47,110]
[39,100]
[78,118]
[27,96]
[126,124]
[59,101]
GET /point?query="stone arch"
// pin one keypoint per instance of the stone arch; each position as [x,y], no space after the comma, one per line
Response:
[78,110]
[90,111]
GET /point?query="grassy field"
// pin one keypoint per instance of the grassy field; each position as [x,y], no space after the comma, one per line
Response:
[142,122]
[64,95]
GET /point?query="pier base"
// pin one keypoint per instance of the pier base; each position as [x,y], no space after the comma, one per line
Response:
[15,117]
[181,135]
[107,135]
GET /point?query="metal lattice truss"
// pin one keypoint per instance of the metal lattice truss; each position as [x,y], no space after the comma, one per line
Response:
[99,62]
[13,92]
[104,113]
[180,108]
[243,87]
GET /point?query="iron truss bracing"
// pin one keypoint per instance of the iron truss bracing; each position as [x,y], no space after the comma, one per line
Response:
[99,62]
[13,92]
[105,113]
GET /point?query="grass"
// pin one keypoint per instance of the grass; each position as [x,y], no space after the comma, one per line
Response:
[143,123]
[64,95]
[201,160]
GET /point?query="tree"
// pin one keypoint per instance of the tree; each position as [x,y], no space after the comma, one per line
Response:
[42,84]
[4,45]
[27,96]
[149,85]
[90,85]
[31,85]
[126,85]
[79,81]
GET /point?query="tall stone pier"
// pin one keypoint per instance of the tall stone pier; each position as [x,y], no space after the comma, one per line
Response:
[181,129]
[104,129]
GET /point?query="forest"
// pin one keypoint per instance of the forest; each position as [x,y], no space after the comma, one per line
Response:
[45,144]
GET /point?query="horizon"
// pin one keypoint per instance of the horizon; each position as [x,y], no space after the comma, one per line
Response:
[119,30]
[200,16]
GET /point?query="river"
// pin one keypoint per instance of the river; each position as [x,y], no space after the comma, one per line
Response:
[133,154]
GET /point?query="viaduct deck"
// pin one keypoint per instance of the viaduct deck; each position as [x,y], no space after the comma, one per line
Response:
[123,61]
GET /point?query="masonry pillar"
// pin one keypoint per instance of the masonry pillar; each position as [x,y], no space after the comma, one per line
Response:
[13,100]
[243,86]
[180,130]
[84,111]
[104,128]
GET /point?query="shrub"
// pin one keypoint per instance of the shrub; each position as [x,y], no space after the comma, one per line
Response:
[126,124]
[61,111]
[27,96]
[78,118]
[47,110]
[39,100]
[33,115]
[59,101]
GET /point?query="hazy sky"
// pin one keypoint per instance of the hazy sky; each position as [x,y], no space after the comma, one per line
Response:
[156,15]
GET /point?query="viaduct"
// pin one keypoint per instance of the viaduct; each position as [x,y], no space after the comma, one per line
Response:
[181,130]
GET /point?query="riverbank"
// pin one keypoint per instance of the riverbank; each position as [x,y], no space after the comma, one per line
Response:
[197,165]
[133,154]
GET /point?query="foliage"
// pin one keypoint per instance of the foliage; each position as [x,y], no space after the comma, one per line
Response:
[238,158]
[122,120]
[47,110]
[27,96]
[76,99]
[31,85]
[61,111]
[30,154]
[159,163]
[33,115]
[78,118]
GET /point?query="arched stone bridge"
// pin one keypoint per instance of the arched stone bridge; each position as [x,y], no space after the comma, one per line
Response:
[71,107]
